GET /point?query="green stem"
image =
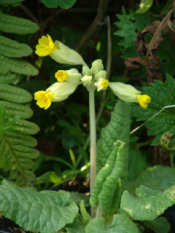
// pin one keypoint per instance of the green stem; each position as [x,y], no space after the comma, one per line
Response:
[92,139]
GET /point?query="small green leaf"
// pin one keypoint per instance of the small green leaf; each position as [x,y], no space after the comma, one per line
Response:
[66,4]
[44,212]
[119,224]
[145,5]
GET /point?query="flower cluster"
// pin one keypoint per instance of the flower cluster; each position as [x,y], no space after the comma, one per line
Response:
[68,80]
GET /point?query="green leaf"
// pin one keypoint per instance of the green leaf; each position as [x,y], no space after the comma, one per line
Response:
[66,4]
[106,187]
[13,24]
[44,212]
[136,162]
[14,94]
[165,56]
[17,109]
[128,24]
[8,78]
[165,120]
[119,224]
[12,48]
[145,5]
[11,2]
[76,227]
[155,193]
[159,225]
[18,66]
[117,129]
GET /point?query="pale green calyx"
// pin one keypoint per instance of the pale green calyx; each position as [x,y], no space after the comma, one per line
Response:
[73,76]
[102,84]
[124,92]
[100,74]
[86,80]
[66,55]
[97,65]
[86,71]
[61,90]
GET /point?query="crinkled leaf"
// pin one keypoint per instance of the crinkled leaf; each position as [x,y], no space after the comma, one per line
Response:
[43,212]
[136,162]
[145,5]
[159,225]
[117,129]
[155,193]
[165,120]
[119,224]
[66,4]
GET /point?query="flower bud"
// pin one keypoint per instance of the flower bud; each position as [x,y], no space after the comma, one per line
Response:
[86,71]
[100,74]
[97,65]
[86,80]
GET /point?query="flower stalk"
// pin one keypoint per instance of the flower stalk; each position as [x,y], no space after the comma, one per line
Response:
[92,140]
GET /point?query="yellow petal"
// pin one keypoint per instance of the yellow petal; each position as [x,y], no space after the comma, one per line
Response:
[43,98]
[143,100]
[61,75]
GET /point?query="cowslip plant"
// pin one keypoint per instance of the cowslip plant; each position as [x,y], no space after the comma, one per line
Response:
[114,199]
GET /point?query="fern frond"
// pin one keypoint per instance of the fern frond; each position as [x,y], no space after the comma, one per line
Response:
[17,109]
[13,24]
[18,66]
[12,48]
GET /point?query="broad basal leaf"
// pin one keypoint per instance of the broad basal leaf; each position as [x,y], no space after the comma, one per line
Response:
[162,94]
[117,129]
[155,189]
[159,225]
[119,224]
[43,212]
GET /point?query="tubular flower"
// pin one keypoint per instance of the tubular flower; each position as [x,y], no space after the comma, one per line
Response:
[129,93]
[102,84]
[45,46]
[143,100]
[86,80]
[61,75]
[72,76]
[43,98]
[57,92]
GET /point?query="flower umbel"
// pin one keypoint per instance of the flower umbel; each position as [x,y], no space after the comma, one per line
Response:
[43,98]
[61,75]
[143,100]
[45,46]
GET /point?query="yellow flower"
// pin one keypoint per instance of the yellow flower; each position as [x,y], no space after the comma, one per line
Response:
[102,84]
[129,93]
[45,46]
[143,100]
[43,98]
[71,76]
[61,75]
[57,92]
